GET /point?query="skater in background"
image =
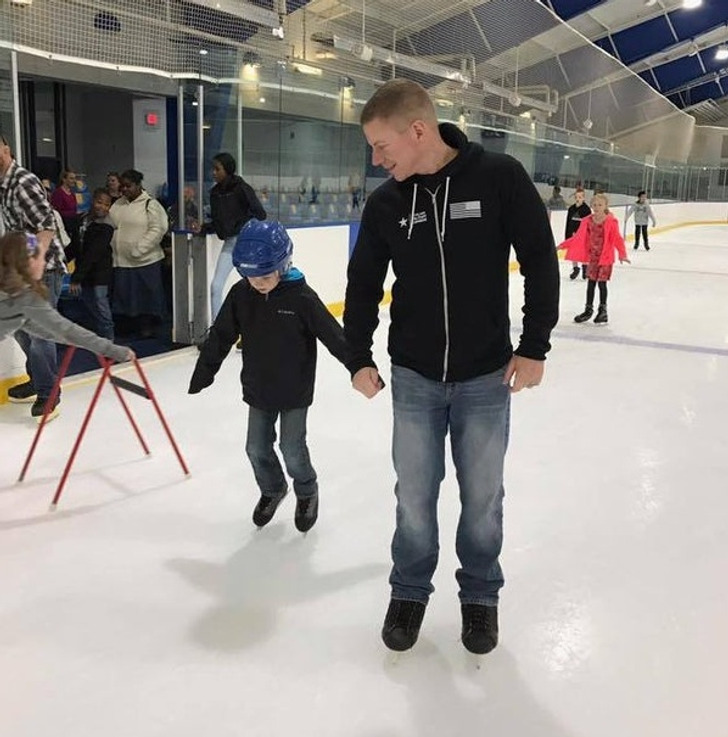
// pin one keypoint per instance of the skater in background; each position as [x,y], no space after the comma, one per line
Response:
[642,215]
[24,305]
[575,214]
[556,201]
[594,243]
[279,318]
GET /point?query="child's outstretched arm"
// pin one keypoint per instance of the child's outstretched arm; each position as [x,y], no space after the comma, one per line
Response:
[44,322]
[223,333]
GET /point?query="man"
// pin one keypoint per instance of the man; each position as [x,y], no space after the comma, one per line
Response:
[24,206]
[446,221]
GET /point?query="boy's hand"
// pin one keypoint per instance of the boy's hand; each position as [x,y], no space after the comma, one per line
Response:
[200,380]
[367,381]
[74,289]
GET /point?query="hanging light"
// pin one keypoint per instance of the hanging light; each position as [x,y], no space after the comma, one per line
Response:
[690,4]
[721,53]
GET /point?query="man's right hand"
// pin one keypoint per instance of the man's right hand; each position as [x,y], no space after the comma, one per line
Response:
[367,381]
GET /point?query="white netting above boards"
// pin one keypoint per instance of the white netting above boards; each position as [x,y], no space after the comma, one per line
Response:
[510,58]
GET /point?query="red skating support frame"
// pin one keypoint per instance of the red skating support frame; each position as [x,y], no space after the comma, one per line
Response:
[118,384]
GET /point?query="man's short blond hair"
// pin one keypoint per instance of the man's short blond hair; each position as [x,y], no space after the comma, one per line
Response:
[399,99]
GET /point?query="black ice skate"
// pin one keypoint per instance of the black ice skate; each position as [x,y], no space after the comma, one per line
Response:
[574,273]
[402,624]
[584,316]
[480,628]
[306,512]
[601,318]
[266,507]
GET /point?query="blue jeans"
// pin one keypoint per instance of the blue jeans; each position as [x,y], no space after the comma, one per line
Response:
[266,466]
[222,270]
[477,415]
[41,359]
[96,300]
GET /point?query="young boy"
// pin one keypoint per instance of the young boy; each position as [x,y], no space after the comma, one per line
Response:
[92,274]
[279,317]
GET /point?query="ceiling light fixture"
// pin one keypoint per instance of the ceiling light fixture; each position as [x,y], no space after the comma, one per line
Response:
[690,4]
[721,53]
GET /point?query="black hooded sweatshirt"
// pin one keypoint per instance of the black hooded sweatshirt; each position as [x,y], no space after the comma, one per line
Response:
[232,203]
[279,331]
[448,237]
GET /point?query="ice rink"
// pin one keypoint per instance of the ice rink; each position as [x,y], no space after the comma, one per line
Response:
[148,605]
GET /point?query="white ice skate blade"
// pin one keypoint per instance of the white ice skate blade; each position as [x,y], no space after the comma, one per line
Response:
[392,658]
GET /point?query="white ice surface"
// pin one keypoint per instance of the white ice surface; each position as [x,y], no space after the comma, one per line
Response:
[148,605]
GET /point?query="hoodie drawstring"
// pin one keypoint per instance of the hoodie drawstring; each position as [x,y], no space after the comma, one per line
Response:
[412,213]
[444,207]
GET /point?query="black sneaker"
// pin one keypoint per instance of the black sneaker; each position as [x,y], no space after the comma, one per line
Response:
[39,406]
[480,628]
[22,393]
[402,624]
[266,507]
[306,512]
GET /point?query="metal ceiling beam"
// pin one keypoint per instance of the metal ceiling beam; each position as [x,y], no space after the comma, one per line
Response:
[242,9]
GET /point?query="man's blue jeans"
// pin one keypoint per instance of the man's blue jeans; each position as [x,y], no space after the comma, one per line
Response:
[266,466]
[477,415]
[41,360]
[96,300]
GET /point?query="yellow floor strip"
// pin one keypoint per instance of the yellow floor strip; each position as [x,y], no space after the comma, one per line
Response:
[335,308]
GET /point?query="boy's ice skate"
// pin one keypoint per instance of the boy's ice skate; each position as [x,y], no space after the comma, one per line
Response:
[306,512]
[266,507]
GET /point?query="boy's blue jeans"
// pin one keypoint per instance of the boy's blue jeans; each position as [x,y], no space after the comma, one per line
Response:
[477,415]
[266,466]
[96,300]
[41,359]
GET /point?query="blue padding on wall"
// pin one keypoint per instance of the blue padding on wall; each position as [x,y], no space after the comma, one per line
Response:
[353,235]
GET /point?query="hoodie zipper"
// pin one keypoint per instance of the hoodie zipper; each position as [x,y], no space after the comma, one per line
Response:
[440,226]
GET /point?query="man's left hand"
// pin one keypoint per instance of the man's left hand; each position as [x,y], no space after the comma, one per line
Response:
[523,373]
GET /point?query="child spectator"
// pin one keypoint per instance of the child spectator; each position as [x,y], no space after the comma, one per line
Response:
[92,275]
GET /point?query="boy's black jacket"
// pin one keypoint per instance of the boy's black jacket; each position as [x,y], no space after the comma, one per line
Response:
[232,203]
[279,332]
[94,258]
[449,312]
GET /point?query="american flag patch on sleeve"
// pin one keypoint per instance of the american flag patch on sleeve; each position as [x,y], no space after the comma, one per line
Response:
[464,210]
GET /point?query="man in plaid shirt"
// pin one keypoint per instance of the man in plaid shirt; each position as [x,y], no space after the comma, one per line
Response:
[24,206]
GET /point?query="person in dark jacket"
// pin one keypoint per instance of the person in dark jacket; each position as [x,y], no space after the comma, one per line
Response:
[279,317]
[446,221]
[232,203]
[575,214]
[94,263]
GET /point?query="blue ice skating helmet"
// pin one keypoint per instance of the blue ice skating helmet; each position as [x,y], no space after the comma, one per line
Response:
[263,246]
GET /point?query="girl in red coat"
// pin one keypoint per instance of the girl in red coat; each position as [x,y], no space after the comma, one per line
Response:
[594,244]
